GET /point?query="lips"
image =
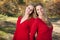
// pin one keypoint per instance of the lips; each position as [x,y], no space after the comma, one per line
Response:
[28,11]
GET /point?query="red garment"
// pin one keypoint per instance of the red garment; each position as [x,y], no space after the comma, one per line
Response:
[43,31]
[23,29]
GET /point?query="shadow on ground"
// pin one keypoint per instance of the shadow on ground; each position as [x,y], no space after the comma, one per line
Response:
[7,30]
[7,27]
[54,19]
[56,36]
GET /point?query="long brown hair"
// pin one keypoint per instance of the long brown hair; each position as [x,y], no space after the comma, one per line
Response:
[47,21]
[32,14]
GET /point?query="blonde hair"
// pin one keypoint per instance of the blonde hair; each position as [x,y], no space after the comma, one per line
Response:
[33,12]
[47,21]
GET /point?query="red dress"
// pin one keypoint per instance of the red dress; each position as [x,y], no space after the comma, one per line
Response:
[43,31]
[23,29]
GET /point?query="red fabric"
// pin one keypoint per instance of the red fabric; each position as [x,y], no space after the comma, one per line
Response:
[23,29]
[43,31]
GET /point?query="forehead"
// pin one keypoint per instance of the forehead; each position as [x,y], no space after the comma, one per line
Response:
[38,6]
[30,6]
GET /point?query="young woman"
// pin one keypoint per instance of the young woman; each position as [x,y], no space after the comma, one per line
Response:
[41,25]
[24,23]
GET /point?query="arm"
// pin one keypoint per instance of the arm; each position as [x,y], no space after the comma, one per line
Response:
[33,30]
[18,21]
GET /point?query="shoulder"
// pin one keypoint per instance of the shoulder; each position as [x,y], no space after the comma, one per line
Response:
[38,20]
[19,17]
[32,19]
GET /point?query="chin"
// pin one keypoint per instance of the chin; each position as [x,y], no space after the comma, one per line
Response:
[29,13]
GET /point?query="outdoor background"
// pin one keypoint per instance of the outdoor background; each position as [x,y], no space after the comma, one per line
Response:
[11,9]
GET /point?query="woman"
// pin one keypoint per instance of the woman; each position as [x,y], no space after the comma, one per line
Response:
[42,25]
[24,23]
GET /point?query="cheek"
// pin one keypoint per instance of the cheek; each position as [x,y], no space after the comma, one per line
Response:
[38,10]
[27,10]
[42,10]
[30,12]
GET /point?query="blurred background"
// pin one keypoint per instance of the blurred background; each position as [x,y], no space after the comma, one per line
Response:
[11,9]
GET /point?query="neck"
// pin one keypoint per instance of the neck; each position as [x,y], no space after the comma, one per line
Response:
[41,17]
[26,16]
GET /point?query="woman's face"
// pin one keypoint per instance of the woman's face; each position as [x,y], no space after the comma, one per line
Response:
[39,10]
[29,9]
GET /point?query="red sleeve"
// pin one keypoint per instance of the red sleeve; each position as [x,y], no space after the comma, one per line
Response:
[18,21]
[33,30]
[51,27]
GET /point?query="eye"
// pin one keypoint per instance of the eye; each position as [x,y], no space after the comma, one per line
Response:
[28,7]
[41,8]
[31,10]
[37,9]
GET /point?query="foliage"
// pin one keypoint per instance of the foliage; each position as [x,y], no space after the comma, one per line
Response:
[16,7]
